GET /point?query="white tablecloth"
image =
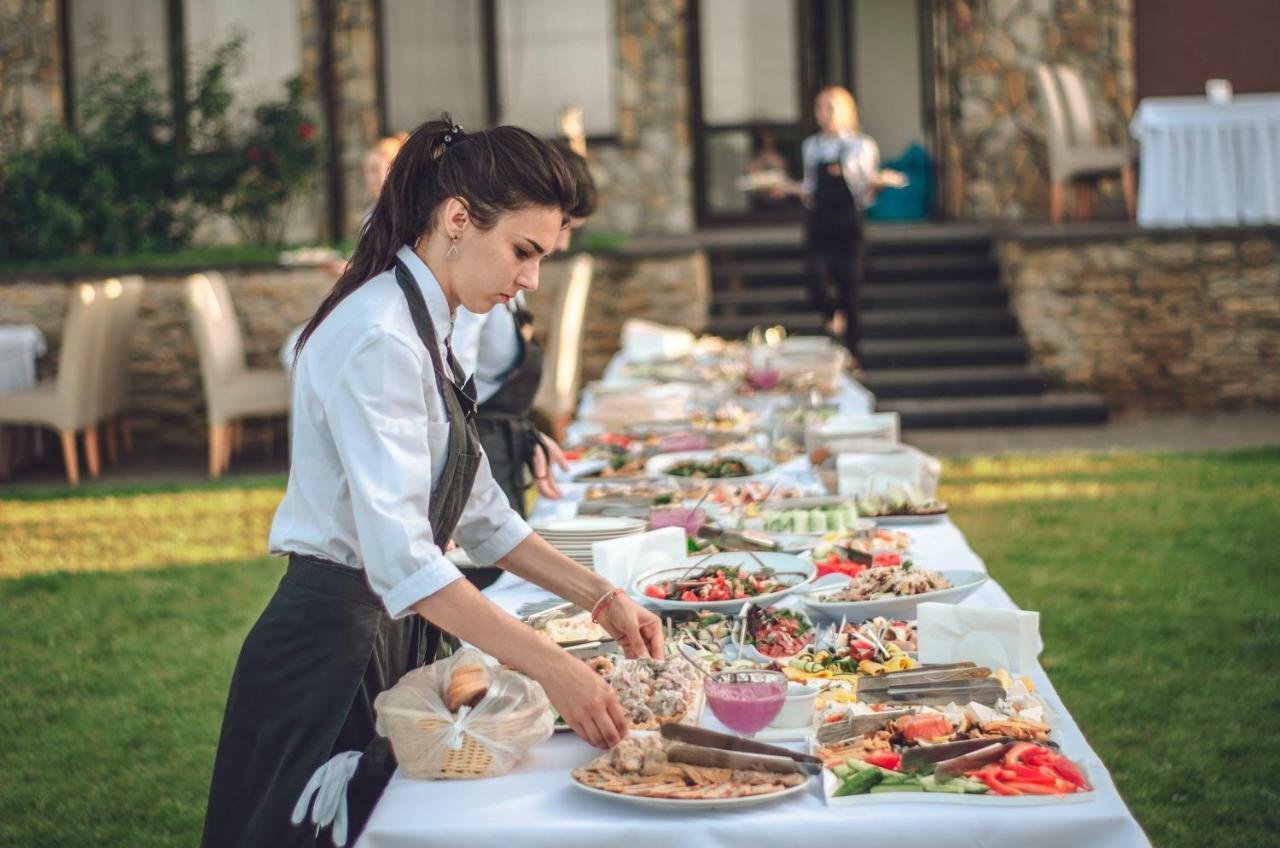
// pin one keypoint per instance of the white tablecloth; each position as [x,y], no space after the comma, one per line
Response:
[1208,164]
[536,806]
[20,346]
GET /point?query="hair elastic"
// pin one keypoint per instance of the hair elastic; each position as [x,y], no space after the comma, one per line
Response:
[455,134]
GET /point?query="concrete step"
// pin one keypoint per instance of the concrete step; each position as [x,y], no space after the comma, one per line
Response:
[924,267]
[938,353]
[937,323]
[973,381]
[796,293]
[875,296]
[1004,411]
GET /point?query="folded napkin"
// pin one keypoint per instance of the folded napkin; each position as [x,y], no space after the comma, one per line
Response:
[623,560]
[996,638]
[644,341]
[872,472]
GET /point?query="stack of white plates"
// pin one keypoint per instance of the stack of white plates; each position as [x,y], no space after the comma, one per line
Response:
[574,536]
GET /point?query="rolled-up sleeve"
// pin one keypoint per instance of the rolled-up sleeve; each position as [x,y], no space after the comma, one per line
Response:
[861,165]
[489,527]
[377,414]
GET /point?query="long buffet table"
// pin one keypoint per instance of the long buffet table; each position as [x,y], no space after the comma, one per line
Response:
[538,805]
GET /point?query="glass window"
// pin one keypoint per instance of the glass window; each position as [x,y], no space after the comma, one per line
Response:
[272,31]
[750,62]
[558,53]
[433,62]
[106,32]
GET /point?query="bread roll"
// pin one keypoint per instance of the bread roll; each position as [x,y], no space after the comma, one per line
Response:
[468,685]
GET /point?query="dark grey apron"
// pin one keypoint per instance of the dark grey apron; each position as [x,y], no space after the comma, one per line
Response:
[508,437]
[833,236]
[323,649]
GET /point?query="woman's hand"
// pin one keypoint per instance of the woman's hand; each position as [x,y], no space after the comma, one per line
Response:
[542,479]
[638,631]
[585,701]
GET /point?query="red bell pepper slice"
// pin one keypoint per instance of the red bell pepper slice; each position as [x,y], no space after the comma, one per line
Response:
[1070,773]
[885,759]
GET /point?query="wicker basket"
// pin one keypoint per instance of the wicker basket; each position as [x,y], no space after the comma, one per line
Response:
[429,743]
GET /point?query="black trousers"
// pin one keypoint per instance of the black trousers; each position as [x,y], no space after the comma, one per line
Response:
[834,274]
[302,691]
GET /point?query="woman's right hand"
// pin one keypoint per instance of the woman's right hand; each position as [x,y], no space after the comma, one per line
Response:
[585,701]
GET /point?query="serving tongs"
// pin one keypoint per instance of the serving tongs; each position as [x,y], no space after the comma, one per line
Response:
[854,726]
[698,746]
[953,672]
[986,692]
[948,756]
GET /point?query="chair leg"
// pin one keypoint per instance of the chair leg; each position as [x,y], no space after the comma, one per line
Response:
[6,451]
[237,443]
[113,442]
[91,456]
[1129,186]
[228,439]
[126,436]
[1057,199]
[70,457]
[217,435]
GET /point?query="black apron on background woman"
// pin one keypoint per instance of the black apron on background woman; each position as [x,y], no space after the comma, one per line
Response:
[323,649]
[508,438]
[833,236]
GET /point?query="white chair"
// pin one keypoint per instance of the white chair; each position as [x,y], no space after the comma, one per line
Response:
[562,364]
[69,402]
[1074,150]
[232,391]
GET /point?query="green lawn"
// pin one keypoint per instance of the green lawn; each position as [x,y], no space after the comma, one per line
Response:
[1156,578]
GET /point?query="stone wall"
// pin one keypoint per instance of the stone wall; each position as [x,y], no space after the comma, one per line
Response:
[1153,320]
[30,70]
[990,135]
[166,398]
[646,179]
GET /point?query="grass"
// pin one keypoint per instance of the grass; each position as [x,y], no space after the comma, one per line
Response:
[1156,577]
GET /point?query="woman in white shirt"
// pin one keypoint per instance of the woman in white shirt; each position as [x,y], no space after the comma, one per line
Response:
[840,173]
[386,468]
[499,349]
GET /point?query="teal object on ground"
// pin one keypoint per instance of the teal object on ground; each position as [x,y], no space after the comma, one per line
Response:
[911,202]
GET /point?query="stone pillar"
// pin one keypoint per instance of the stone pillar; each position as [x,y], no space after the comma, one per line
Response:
[646,181]
[991,137]
[359,122]
[30,70]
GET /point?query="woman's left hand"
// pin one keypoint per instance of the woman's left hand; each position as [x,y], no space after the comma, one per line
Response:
[638,631]
[542,479]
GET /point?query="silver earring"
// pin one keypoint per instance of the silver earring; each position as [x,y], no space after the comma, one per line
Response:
[453,250]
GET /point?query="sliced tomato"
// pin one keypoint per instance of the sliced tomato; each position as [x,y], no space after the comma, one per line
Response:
[686,595]
[655,591]
[885,759]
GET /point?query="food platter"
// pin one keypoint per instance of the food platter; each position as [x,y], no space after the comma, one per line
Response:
[793,572]
[964,583]
[830,782]
[664,463]
[695,805]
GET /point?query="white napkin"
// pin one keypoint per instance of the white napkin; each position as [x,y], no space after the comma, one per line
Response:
[872,472]
[623,560]
[996,638]
[643,341]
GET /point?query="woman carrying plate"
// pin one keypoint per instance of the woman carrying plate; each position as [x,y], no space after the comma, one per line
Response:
[498,348]
[386,468]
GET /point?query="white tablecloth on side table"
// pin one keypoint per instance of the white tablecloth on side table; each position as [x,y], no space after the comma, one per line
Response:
[1208,164]
[535,806]
[20,346]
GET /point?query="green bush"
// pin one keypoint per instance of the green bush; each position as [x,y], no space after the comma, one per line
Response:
[137,178]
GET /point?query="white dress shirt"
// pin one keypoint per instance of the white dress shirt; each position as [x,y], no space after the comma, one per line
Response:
[370,438]
[858,154]
[486,346]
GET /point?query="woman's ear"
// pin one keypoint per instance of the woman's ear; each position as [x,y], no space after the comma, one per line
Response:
[456,217]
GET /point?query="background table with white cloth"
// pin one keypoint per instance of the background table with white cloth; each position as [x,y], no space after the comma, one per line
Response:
[20,346]
[1208,164]
[537,805]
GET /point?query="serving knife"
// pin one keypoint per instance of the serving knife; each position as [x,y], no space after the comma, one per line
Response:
[697,755]
[916,758]
[985,692]
[704,738]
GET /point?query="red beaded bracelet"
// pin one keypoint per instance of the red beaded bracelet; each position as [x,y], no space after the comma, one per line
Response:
[603,604]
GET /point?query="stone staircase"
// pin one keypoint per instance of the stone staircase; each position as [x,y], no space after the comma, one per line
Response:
[940,344]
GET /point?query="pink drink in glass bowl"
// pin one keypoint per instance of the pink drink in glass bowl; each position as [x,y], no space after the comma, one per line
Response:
[677,516]
[746,701]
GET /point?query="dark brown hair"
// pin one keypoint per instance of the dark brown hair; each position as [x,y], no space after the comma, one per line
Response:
[493,171]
